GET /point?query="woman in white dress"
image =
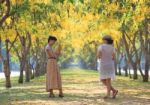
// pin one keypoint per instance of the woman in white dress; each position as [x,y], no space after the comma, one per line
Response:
[106,52]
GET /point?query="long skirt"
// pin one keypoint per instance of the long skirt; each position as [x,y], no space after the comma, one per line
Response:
[53,78]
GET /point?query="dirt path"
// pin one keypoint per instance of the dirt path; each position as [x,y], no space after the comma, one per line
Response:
[80,87]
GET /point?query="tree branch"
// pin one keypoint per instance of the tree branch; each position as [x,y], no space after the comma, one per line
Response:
[16,50]
[13,42]
[7,14]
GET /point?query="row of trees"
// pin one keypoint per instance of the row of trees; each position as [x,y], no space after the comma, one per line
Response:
[128,22]
[79,26]
[22,48]
[135,48]
[135,38]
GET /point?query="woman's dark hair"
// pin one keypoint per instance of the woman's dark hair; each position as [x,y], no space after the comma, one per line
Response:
[52,38]
[108,39]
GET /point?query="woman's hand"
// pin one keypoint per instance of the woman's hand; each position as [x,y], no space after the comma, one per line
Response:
[59,47]
[99,54]
[113,56]
[58,50]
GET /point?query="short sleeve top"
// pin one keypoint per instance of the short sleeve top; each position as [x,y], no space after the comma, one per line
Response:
[100,48]
[107,52]
[48,47]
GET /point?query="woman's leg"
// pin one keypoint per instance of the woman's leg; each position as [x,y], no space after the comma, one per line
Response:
[115,92]
[108,87]
[112,88]
[51,91]
[61,93]
[107,83]
[51,94]
[104,81]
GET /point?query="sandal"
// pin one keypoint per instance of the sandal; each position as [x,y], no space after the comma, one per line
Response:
[51,95]
[61,95]
[106,97]
[115,94]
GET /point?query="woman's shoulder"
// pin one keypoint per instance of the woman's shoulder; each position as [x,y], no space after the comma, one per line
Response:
[101,45]
[107,46]
[47,46]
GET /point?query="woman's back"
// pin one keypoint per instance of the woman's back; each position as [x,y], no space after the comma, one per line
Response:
[106,53]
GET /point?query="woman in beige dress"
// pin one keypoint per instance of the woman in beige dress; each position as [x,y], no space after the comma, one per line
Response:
[53,78]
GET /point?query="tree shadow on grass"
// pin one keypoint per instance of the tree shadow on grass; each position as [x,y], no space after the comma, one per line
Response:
[79,90]
[29,95]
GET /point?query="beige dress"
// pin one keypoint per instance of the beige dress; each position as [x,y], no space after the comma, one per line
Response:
[53,78]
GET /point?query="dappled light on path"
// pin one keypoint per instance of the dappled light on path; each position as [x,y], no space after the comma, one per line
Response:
[81,87]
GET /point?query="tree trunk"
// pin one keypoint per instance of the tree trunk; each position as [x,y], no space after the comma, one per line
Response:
[27,72]
[126,66]
[145,79]
[135,76]
[22,61]
[141,72]
[7,75]
[25,50]
[130,73]
[129,54]
[126,71]
[116,67]
[37,69]
[7,67]
[32,71]
[144,41]
[21,73]
[22,69]
[40,68]
[119,68]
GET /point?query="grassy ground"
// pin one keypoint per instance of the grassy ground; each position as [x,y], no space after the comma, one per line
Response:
[81,87]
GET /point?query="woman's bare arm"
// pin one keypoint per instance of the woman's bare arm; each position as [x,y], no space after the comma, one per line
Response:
[114,56]
[58,51]
[99,54]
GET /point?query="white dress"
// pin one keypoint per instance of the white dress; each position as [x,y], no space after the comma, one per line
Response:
[107,67]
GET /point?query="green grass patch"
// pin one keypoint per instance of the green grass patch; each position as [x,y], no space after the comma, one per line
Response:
[81,87]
